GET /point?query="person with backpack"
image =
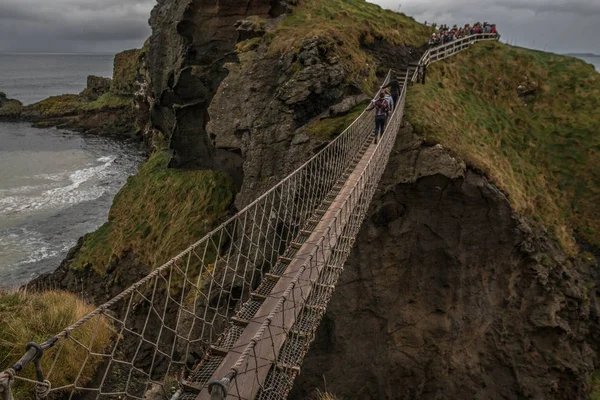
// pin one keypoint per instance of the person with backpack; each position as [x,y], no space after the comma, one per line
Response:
[390,100]
[394,85]
[382,110]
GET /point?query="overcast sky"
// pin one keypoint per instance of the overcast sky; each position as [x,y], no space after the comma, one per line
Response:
[113,25]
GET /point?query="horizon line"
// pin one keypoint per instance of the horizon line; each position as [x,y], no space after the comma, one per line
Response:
[61,53]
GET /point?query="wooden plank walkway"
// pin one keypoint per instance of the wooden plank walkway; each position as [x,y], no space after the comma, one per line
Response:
[246,385]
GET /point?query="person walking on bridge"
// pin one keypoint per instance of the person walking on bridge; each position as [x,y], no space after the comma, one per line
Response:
[390,100]
[382,109]
[394,85]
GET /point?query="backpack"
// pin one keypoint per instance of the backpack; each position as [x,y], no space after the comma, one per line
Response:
[382,106]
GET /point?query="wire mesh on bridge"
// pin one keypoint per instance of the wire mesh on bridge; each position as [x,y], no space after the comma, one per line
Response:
[241,305]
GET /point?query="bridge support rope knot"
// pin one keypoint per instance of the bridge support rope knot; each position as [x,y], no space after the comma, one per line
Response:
[219,389]
[6,383]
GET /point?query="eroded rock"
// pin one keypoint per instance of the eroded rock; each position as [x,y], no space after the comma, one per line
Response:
[439,299]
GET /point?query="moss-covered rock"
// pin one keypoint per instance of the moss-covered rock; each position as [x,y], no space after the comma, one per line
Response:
[96,87]
[10,109]
[529,120]
[27,317]
[125,73]
[158,213]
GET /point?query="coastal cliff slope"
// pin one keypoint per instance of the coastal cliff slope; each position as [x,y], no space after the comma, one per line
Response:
[456,288]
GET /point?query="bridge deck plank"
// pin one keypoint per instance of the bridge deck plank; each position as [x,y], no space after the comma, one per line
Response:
[246,386]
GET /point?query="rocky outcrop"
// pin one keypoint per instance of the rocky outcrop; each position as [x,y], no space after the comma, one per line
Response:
[262,105]
[104,107]
[126,79]
[191,43]
[449,294]
[10,109]
[96,87]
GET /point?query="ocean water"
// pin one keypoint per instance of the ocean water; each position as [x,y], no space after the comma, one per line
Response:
[594,60]
[55,185]
[34,77]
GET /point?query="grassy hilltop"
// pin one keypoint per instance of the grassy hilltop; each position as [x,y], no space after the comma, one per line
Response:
[529,120]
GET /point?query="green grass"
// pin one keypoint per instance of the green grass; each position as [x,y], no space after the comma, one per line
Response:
[328,128]
[543,150]
[595,392]
[35,317]
[71,104]
[347,24]
[158,214]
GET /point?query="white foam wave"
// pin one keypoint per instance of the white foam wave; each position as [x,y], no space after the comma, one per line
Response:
[32,246]
[60,197]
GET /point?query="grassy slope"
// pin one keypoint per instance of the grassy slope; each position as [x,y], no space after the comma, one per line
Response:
[69,104]
[157,214]
[38,316]
[544,152]
[348,24]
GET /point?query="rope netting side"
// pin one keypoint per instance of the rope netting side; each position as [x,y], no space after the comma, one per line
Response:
[147,336]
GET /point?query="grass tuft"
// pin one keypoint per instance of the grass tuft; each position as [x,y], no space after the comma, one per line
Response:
[348,25]
[35,317]
[326,396]
[158,214]
[542,147]
[595,392]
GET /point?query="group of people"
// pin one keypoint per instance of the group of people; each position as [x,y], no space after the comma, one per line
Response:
[445,34]
[388,97]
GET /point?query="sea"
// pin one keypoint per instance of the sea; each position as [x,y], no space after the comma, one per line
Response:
[591,59]
[55,185]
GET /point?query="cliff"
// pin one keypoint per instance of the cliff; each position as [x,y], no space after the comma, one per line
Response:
[466,278]
[105,107]
[453,289]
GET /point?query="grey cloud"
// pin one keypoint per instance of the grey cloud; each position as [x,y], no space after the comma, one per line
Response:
[112,25]
[65,25]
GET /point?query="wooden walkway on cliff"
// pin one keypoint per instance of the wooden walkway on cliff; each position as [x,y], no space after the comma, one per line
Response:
[234,315]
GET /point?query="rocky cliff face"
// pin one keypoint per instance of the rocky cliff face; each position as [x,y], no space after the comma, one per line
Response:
[191,42]
[224,100]
[449,294]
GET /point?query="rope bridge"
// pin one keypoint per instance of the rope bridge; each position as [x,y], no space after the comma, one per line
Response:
[233,315]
